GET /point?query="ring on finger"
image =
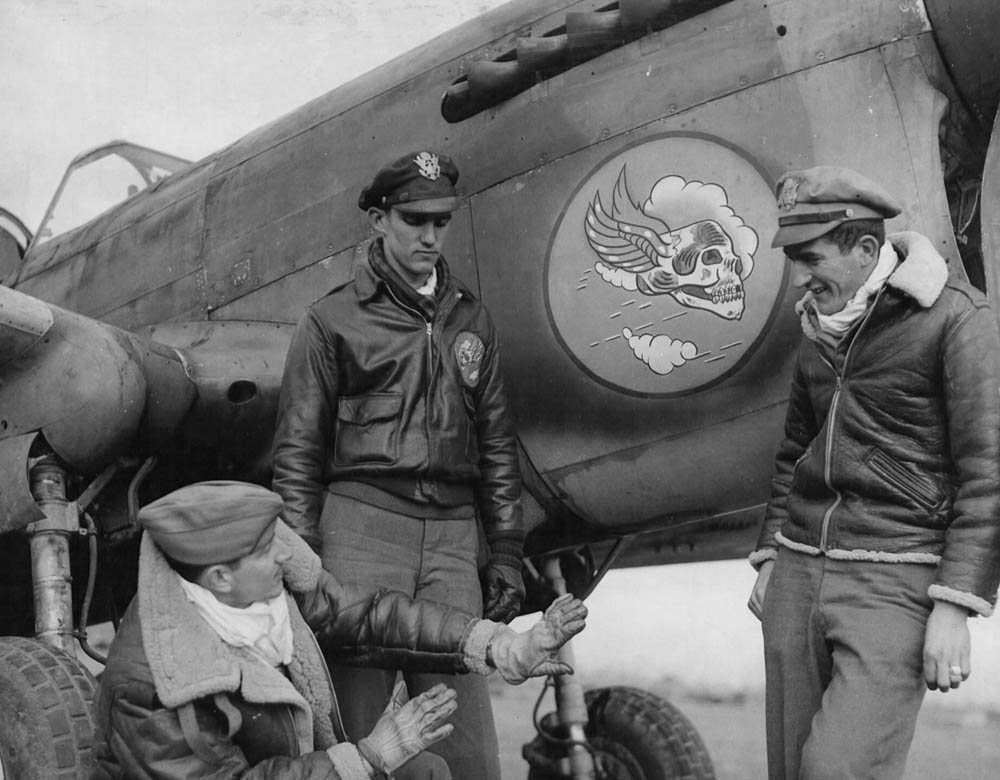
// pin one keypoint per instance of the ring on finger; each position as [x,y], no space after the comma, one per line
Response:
[955,671]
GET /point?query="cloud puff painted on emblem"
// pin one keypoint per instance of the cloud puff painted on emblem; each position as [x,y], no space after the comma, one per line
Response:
[661,353]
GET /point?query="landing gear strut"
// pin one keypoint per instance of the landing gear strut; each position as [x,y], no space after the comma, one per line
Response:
[572,708]
[50,570]
[614,733]
[46,695]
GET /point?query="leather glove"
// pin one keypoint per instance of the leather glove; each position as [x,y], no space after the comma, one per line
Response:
[503,585]
[403,731]
[533,653]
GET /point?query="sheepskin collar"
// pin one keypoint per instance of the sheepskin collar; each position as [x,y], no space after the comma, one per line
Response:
[921,274]
[188,660]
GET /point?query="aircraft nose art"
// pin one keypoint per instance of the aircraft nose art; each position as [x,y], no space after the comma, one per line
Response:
[655,281]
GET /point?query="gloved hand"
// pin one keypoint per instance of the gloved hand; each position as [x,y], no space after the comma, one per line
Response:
[403,731]
[518,656]
[503,585]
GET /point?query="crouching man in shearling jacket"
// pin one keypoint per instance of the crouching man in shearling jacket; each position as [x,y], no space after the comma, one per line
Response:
[883,531]
[216,672]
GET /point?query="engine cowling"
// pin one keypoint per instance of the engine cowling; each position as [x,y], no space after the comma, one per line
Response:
[94,392]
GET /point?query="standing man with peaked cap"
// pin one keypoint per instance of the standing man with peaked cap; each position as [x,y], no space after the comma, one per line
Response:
[215,673]
[393,437]
[883,532]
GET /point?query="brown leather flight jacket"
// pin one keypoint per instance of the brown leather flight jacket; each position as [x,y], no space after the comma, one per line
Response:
[892,441]
[176,702]
[379,391]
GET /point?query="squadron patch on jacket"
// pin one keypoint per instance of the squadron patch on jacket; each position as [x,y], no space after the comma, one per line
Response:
[469,352]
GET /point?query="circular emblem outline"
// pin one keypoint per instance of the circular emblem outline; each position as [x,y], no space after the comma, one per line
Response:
[755,343]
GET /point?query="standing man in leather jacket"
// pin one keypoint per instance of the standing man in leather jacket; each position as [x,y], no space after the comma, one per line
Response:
[882,535]
[394,449]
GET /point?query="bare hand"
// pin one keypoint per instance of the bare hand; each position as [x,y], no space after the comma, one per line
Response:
[403,731]
[947,647]
[756,602]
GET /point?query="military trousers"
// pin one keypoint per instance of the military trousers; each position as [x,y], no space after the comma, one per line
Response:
[435,560]
[843,655]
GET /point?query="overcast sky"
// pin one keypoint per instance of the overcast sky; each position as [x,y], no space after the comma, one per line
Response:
[189,76]
[181,76]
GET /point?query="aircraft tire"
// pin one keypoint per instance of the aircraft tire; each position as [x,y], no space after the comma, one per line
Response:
[46,713]
[636,735]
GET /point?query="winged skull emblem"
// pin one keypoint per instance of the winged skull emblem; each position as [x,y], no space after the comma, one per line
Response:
[695,264]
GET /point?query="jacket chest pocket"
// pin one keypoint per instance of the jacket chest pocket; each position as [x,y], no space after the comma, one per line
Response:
[367,429]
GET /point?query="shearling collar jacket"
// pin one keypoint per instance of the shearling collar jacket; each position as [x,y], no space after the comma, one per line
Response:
[175,701]
[892,439]
[403,395]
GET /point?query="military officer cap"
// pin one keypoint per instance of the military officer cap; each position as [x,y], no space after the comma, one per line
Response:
[421,182]
[211,522]
[813,202]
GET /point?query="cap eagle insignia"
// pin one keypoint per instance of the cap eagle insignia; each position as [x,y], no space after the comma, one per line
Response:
[428,165]
[789,193]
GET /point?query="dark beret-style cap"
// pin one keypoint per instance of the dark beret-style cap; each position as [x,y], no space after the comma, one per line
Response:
[422,182]
[211,522]
[813,202]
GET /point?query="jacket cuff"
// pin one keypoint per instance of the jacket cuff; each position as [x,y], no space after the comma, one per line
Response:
[507,551]
[301,571]
[506,535]
[347,762]
[475,645]
[758,557]
[960,597]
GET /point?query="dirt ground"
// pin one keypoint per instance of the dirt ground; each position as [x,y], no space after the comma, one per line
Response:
[949,744]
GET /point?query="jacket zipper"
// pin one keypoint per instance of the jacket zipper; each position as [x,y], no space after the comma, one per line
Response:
[430,350]
[429,330]
[441,314]
[828,450]
[427,327]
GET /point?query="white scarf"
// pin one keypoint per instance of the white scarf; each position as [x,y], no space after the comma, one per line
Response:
[840,322]
[264,627]
[427,288]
